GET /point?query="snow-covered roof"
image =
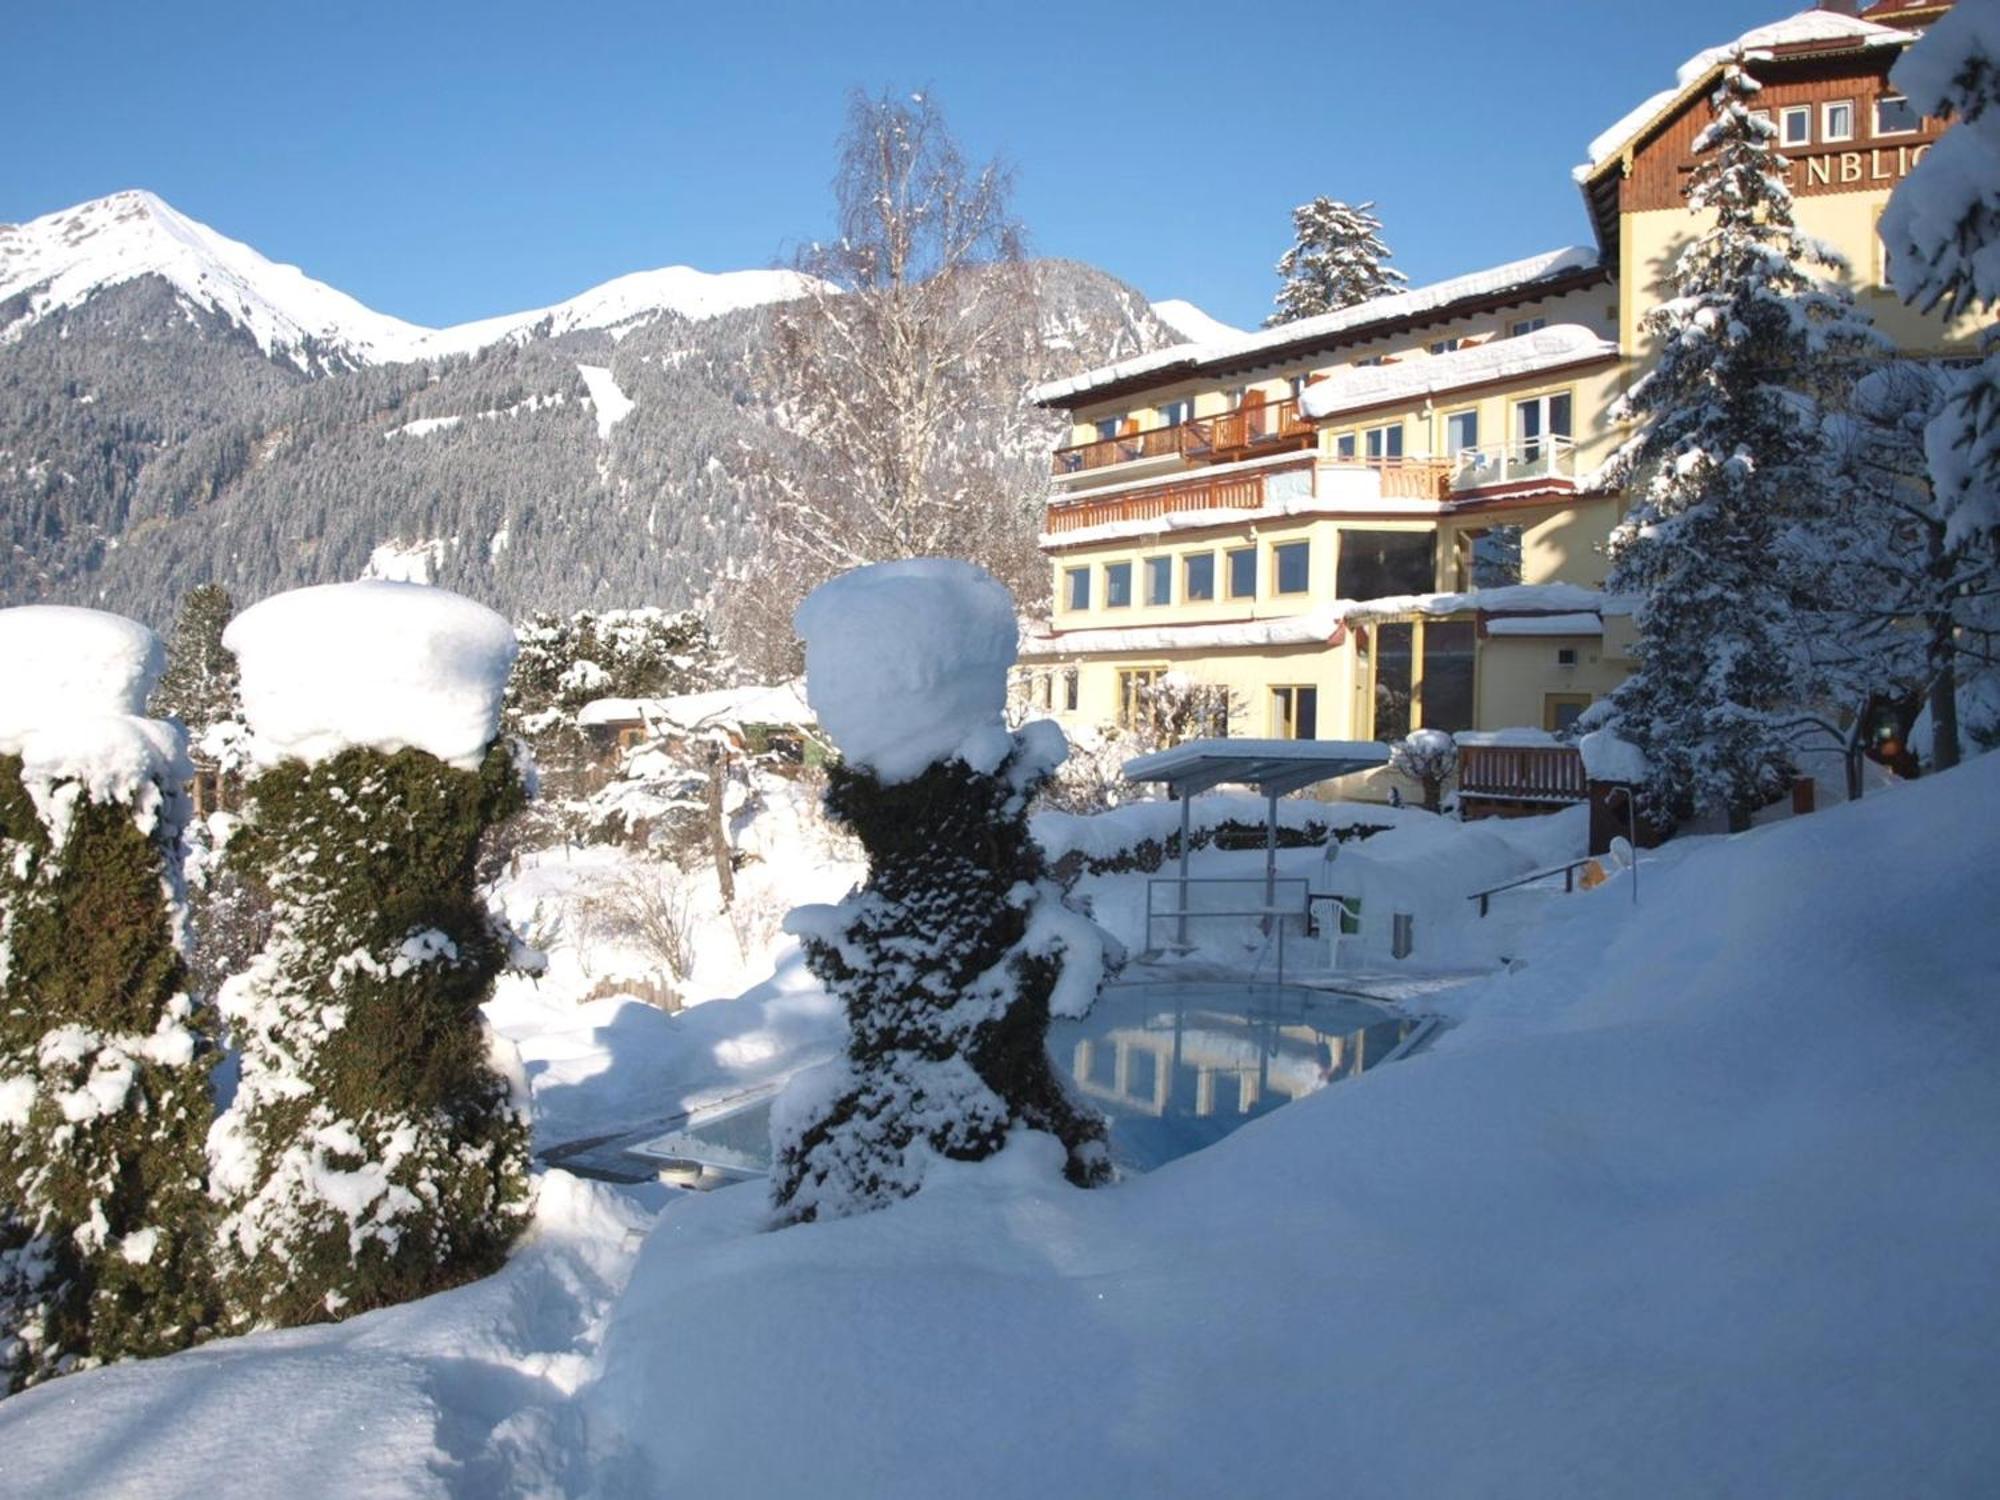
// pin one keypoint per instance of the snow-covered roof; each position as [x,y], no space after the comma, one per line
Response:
[783,704]
[1191,323]
[1495,280]
[1360,386]
[1581,623]
[1806,27]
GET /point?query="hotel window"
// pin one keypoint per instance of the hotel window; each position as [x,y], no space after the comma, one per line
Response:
[1445,695]
[1895,115]
[1445,346]
[1077,583]
[1369,363]
[1291,567]
[1173,413]
[1489,558]
[1070,692]
[1461,431]
[1243,573]
[1795,125]
[1159,580]
[1107,429]
[1525,326]
[1197,577]
[1298,385]
[1295,713]
[1117,585]
[1045,690]
[1384,443]
[1134,712]
[1380,564]
[1541,417]
[1344,447]
[1836,120]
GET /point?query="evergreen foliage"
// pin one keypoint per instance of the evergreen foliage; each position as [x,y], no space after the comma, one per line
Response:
[372,1154]
[946,961]
[104,1097]
[200,685]
[1337,259]
[1751,346]
[1942,230]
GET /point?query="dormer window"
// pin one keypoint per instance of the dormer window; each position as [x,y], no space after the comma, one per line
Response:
[1836,120]
[1795,125]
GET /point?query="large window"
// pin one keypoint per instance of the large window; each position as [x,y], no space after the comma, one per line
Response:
[1294,713]
[1384,443]
[1489,558]
[1291,567]
[1117,585]
[1395,679]
[1538,419]
[1423,675]
[1446,691]
[1198,576]
[1159,580]
[1243,573]
[1134,688]
[1461,432]
[1378,564]
[1076,583]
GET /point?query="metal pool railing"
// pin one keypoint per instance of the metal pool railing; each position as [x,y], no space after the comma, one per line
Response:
[1265,900]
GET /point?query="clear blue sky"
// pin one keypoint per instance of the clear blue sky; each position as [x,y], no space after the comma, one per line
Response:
[445,161]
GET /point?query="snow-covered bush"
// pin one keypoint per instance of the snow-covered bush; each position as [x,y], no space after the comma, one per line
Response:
[1429,757]
[104,1059]
[954,954]
[372,1154]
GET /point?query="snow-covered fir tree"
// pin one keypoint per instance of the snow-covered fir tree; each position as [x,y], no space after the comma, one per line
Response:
[1750,345]
[372,1153]
[1337,259]
[1942,231]
[199,685]
[104,1058]
[952,957]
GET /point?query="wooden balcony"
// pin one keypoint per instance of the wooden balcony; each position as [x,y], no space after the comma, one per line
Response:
[1510,780]
[1404,478]
[1225,492]
[1256,428]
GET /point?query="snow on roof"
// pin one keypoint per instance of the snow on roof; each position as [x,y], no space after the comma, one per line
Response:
[906,664]
[58,662]
[1314,627]
[1360,386]
[1418,300]
[1249,760]
[389,666]
[1805,27]
[725,707]
[1572,624]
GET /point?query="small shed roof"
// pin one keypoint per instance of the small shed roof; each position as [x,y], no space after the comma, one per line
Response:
[1274,767]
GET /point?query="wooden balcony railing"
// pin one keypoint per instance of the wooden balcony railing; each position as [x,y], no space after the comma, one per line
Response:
[1258,426]
[1407,478]
[1225,492]
[1527,775]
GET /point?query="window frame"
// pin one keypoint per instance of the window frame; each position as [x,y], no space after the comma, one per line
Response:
[1072,689]
[1520,328]
[1159,566]
[1071,578]
[1229,557]
[1447,345]
[1826,109]
[1368,670]
[1286,701]
[1188,559]
[1347,446]
[1112,570]
[1368,434]
[1281,550]
[1453,416]
[1786,115]
[1875,116]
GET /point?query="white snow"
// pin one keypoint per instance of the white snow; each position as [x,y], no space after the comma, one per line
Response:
[59,260]
[724,707]
[1418,300]
[1192,324]
[1190,755]
[906,664]
[399,561]
[423,427]
[1817,25]
[1356,386]
[1606,757]
[1570,624]
[387,665]
[57,661]
[611,403]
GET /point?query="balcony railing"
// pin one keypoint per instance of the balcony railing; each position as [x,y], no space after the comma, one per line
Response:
[1400,478]
[1224,492]
[1531,458]
[1261,426]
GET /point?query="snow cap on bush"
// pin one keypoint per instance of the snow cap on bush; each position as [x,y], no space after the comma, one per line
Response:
[60,663]
[386,666]
[906,664]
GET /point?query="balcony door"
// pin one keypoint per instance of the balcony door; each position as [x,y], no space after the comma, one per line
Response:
[1538,420]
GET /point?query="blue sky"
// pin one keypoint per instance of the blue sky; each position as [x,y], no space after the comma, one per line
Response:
[447,161]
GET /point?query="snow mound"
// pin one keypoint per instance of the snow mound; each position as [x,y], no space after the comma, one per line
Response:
[57,662]
[386,665]
[906,664]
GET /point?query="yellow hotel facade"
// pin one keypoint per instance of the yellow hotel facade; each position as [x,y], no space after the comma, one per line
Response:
[1386,517]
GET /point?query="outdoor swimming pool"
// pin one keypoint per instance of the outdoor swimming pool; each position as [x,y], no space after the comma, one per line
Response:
[1173,1066]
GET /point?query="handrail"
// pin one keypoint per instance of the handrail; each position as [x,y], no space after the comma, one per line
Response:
[1223,492]
[1256,422]
[1552,456]
[1568,873]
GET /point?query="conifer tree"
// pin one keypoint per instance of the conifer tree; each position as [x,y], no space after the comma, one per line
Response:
[104,1058]
[1942,230]
[1337,259]
[950,958]
[1750,345]
[199,686]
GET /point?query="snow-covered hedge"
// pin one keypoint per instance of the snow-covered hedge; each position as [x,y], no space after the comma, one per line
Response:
[1143,836]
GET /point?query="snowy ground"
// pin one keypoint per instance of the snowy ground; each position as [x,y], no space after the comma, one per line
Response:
[1696,1199]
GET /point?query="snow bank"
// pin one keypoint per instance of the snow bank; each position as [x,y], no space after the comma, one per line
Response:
[57,662]
[906,664]
[390,666]
[1606,757]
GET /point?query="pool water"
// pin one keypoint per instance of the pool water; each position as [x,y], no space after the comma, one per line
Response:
[1173,1066]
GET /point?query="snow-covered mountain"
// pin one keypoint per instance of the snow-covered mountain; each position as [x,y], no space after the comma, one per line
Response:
[57,262]
[1191,323]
